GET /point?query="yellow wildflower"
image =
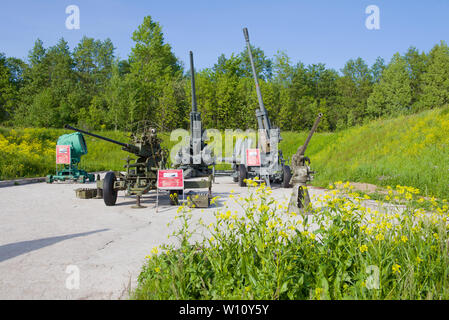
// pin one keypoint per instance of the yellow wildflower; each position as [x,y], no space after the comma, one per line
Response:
[396,268]
[380,237]
[212,201]
[363,248]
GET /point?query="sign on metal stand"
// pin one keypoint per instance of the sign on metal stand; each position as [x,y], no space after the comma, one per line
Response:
[172,179]
[63,155]
[253,159]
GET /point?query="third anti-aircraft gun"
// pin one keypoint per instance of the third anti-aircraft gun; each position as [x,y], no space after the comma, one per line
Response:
[141,173]
[300,163]
[272,166]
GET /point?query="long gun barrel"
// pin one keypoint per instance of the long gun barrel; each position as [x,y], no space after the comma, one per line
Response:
[195,116]
[192,72]
[262,112]
[302,149]
[126,146]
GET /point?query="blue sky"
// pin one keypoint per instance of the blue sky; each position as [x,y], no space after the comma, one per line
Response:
[327,31]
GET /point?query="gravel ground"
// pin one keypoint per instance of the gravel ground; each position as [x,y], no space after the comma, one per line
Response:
[49,238]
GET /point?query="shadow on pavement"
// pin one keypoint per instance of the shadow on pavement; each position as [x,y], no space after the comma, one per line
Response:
[15,249]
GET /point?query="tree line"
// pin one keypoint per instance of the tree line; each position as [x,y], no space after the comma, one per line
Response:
[92,88]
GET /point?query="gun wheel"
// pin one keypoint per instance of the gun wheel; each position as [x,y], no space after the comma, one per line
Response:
[243,174]
[109,194]
[286,177]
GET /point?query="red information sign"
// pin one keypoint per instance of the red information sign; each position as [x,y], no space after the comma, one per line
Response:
[253,157]
[62,154]
[170,179]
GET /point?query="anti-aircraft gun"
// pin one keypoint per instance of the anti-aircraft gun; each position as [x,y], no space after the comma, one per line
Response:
[194,158]
[141,173]
[301,174]
[272,166]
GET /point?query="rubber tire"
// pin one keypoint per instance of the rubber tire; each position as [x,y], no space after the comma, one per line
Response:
[109,194]
[243,174]
[286,177]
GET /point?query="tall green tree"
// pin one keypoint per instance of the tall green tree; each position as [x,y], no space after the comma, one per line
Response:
[295,112]
[48,83]
[6,88]
[282,68]
[233,94]
[152,62]
[377,68]
[435,86]
[263,65]
[36,75]
[205,83]
[117,98]
[93,63]
[354,88]
[393,94]
[321,84]
[416,66]
[282,78]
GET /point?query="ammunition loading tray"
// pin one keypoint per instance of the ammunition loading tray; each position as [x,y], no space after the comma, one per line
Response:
[88,193]
[198,199]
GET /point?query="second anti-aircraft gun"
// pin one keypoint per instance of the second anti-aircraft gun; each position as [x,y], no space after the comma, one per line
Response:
[141,173]
[195,157]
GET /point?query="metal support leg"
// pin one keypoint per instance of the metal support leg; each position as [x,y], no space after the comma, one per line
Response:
[299,199]
[137,205]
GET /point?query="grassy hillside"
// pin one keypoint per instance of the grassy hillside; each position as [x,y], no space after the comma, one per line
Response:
[409,150]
